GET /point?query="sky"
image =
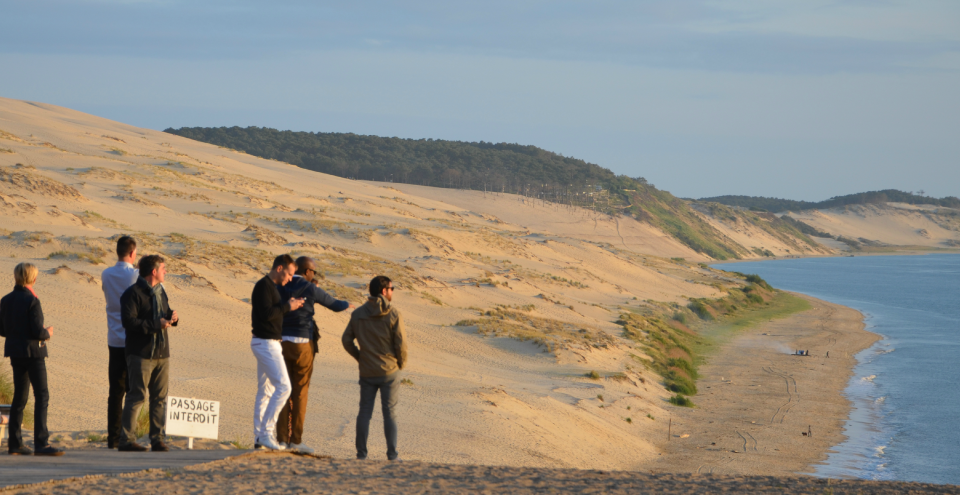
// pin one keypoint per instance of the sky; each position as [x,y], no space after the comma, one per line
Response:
[800,99]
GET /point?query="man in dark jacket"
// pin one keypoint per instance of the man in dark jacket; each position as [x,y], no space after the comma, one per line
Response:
[146,316]
[299,347]
[378,328]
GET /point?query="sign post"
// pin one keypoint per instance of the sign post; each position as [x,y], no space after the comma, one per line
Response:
[193,418]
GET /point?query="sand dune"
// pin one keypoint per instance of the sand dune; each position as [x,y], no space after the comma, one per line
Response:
[71,182]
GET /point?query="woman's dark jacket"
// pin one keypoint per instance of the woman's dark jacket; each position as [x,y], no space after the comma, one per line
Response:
[21,323]
[145,338]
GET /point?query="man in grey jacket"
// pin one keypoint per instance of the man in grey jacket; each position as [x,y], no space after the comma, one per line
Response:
[378,328]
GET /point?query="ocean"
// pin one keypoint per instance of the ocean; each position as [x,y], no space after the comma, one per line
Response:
[905,424]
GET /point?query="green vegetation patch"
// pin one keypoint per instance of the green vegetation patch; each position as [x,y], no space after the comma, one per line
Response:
[553,335]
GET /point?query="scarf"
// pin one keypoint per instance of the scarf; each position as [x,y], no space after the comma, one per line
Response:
[157,292]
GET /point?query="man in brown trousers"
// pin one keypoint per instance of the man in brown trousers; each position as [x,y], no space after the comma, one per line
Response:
[377,327]
[299,344]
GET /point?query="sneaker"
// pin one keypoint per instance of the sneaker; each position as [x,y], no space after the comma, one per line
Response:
[271,444]
[132,447]
[160,447]
[49,450]
[21,451]
[299,447]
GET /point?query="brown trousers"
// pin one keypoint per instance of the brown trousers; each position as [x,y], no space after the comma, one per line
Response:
[299,360]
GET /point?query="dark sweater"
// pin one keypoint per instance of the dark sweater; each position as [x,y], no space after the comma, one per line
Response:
[145,337]
[299,323]
[21,323]
[267,310]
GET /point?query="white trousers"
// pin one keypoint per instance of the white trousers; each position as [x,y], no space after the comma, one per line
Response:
[273,387]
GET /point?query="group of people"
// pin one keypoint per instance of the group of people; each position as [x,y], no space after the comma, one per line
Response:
[284,344]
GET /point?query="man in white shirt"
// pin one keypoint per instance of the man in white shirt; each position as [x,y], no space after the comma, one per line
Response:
[117,279]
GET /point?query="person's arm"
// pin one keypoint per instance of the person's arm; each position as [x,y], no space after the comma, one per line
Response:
[36,330]
[131,319]
[347,341]
[399,343]
[328,301]
[3,330]
[171,315]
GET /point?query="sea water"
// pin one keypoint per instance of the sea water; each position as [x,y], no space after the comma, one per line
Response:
[905,424]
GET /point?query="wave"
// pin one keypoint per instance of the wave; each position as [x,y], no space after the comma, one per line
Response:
[868,378]
[881,400]
[879,451]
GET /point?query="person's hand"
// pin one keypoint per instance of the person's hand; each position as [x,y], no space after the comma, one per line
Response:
[49,332]
[174,318]
[352,306]
[164,323]
[295,304]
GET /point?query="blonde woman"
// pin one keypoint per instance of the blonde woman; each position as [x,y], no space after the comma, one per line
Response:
[21,323]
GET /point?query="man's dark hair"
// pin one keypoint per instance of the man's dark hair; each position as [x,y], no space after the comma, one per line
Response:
[149,263]
[283,260]
[379,283]
[303,263]
[125,246]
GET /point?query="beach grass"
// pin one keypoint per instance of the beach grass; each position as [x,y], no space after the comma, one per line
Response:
[781,305]
[6,397]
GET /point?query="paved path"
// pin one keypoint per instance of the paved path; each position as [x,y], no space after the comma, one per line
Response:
[18,470]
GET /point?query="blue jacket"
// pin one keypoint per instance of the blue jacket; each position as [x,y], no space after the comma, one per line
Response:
[300,323]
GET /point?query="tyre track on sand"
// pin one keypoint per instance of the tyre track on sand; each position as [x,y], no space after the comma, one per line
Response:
[793,397]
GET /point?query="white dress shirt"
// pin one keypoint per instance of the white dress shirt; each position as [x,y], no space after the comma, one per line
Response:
[116,280]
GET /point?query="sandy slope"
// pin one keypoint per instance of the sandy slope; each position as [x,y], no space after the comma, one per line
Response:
[220,216]
[892,223]
[474,399]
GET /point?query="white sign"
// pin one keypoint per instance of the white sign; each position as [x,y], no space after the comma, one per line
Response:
[194,418]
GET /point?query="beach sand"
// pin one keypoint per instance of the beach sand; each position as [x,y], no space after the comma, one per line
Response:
[288,473]
[758,400]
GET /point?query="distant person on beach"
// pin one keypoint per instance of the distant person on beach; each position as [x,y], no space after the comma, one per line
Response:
[21,324]
[378,328]
[146,316]
[115,281]
[299,345]
[273,382]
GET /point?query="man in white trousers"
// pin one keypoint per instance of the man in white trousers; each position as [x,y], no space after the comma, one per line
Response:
[273,383]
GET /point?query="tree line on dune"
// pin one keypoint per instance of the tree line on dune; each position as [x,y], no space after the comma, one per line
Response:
[540,176]
[778,205]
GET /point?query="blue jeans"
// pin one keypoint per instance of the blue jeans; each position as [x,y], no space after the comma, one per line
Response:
[389,387]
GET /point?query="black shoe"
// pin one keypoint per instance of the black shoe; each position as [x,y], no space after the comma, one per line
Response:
[132,447]
[160,447]
[49,450]
[111,445]
[21,451]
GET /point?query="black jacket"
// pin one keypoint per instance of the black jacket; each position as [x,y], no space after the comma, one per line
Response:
[267,310]
[145,338]
[300,323]
[21,323]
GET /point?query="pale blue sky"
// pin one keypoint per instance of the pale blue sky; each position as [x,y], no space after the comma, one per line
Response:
[802,99]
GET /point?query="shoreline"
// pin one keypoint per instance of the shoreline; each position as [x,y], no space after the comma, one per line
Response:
[757,400]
